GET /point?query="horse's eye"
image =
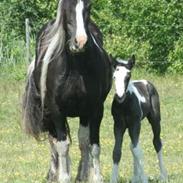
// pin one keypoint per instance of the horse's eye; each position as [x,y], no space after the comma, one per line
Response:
[117,69]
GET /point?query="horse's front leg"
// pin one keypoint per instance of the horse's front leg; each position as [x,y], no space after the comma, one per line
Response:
[83,136]
[119,130]
[53,171]
[61,145]
[94,123]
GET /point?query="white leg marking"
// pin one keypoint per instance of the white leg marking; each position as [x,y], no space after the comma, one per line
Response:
[139,176]
[95,175]
[114,177]
[64,175]
[83,135]
[163,172]
[81,36]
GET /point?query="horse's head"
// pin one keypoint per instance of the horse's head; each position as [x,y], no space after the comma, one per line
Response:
[76,18]
[122,75]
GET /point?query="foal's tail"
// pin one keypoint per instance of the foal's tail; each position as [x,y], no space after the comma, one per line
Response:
[32,122]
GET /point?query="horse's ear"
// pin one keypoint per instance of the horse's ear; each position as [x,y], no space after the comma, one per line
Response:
[131,62]
[112,61]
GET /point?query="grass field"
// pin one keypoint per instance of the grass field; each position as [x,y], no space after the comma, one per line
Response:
[23,160]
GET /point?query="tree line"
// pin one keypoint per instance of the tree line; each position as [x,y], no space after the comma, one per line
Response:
[153,30]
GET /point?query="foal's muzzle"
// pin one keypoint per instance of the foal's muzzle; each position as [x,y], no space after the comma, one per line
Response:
[120,99]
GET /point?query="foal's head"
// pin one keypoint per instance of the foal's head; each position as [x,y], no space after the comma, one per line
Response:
[76,18]
[122,75]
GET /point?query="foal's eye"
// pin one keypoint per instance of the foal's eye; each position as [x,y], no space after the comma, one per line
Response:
[117,69]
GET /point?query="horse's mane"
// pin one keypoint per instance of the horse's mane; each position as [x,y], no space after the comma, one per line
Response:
[50,45]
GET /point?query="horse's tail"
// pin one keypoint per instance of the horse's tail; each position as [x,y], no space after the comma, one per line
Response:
[32,122]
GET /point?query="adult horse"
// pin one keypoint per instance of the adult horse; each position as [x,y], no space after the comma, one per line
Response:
[70,77]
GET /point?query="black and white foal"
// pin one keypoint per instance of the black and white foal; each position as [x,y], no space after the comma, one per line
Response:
[134,100]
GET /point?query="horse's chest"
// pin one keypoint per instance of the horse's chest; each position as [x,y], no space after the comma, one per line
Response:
[75,93]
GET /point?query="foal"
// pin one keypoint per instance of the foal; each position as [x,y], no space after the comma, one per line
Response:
[133,101]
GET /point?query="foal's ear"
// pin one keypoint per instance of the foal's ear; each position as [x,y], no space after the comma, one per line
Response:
[113,61]
[131,62]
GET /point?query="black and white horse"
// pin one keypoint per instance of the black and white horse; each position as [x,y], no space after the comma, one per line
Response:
[133,101]
[70,77]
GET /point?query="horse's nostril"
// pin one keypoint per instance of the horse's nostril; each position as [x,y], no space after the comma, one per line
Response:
[76,43]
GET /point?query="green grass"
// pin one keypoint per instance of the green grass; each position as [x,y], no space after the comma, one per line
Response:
[23,160]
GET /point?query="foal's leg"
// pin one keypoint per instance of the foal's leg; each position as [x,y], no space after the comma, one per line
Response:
[156,127]
[83,136]
[94,122]
[119,130]
[139,176]
[53,171]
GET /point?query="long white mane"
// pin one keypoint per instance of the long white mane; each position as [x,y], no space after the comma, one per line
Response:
[55,40]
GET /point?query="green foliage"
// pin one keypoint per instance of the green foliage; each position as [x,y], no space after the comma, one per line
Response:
[176,57]
[14,13]
[142,25]
[150,29]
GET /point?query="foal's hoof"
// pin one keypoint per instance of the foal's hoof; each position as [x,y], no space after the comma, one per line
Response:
[163,177]
[139,179]
[114,180]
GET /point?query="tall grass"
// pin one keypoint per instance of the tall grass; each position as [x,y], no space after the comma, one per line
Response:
[23,160]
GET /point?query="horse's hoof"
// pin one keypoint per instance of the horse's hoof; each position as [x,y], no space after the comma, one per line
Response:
[51,177]
[81,181]
[64,178]
[97,179]
[114,180]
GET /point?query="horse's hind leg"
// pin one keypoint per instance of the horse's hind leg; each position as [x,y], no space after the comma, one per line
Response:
[154,120]
[53,171]
[139,176]
[83,136]
[94,124]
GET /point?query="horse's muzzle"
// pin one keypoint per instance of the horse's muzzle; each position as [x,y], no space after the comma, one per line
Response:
[77,48]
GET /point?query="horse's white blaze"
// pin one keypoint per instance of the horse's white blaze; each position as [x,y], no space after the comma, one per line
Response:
[139,175]
[119,79]
[115,170]
[81,36]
